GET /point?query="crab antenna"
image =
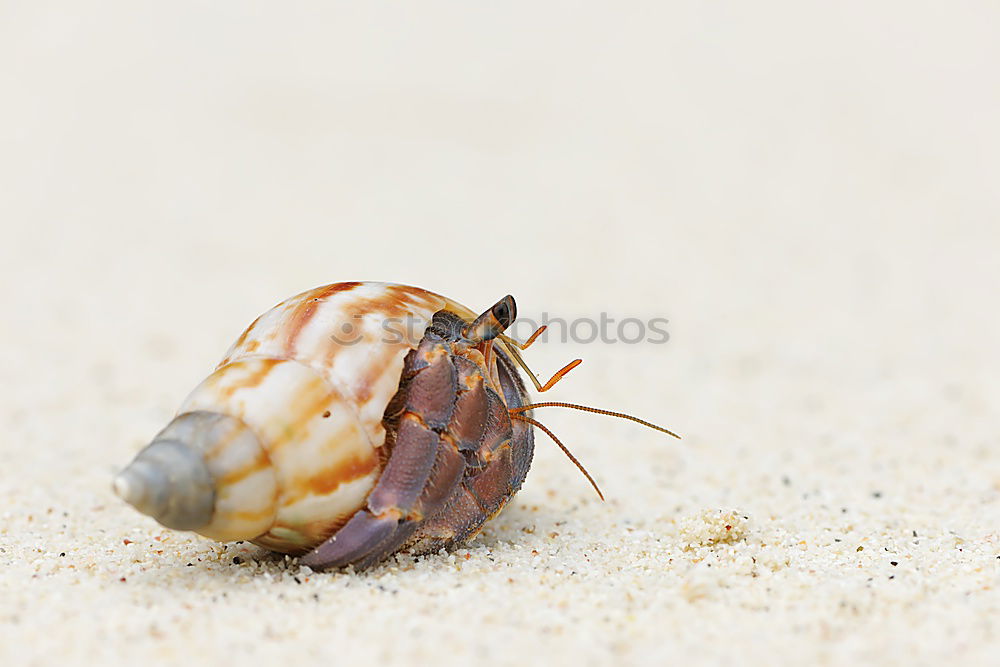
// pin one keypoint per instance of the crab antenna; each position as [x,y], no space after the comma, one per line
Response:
[620,415]
[569,455]
[512,348]
[519,360]
[526,344]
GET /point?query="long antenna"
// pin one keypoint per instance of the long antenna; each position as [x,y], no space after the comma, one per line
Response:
[620,415]
[529,420]
[514,349]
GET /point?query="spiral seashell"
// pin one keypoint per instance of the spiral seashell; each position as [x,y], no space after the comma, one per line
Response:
[282,443]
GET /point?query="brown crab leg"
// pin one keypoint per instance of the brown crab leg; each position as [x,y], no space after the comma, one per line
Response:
[422,471]
[486,490]
[368,537]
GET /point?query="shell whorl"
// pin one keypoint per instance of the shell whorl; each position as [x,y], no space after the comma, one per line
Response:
[169,481]
[289,425]
[185,478]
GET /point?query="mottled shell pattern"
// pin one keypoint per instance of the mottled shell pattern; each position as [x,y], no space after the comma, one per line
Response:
[289,425]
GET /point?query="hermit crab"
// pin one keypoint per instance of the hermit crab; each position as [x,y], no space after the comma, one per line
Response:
[350,422]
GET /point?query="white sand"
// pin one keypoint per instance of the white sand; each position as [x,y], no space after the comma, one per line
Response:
[809,196]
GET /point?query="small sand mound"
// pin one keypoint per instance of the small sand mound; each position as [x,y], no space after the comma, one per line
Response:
[713,526]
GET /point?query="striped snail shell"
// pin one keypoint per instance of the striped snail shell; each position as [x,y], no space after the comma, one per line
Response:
[325,431]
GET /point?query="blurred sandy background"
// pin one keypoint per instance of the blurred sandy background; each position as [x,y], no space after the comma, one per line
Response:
[807,192]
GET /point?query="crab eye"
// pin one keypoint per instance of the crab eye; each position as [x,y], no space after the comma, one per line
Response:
[505,312]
